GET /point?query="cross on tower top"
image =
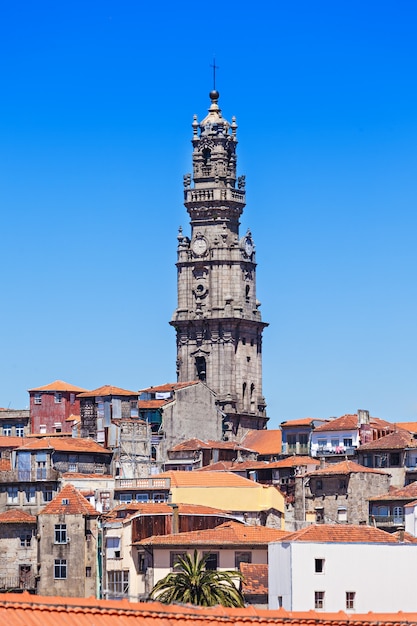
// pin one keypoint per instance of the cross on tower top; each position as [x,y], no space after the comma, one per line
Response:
[215,67]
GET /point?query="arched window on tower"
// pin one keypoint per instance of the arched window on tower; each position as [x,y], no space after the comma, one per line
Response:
[244,396]
[247,290]
[200,366]
[252,398]
[206,156]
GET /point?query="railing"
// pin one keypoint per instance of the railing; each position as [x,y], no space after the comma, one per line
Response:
[387,520]
[198,195]
[323,450]
[142,483]
[19,476]
[12,583]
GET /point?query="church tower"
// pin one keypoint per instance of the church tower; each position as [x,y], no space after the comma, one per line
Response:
[218,321]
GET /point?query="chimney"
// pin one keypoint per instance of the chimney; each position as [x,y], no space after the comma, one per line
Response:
[175,518]
[363,417]
[322,462]
[400,534]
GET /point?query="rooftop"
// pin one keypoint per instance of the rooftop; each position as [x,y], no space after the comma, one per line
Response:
[255,578]
[397,440]
[30,610]
[168,387]
[399,493]
[59,385]
[108,390]
[265,442]
[345,467]
[207,479]
[67,444]
[69,501]
[198,444]
[341,533]
[162,508]
[17,516]
[350,422]
[229,533]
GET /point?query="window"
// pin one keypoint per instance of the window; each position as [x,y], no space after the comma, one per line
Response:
[30,494]
[105,500]
[342,514]
[367,460]
[242,557]
[200,365]
[322,444]
[142,497]
[113,547]
[60,568]
[348,442]
[212,562]
[174,556]
[292,442]
[38,398]
[319,484]
[47,495]
[125,497]
[73,463]
[72,398]
[20,430]
[320,515]
[12,495]
[25,576]
[319,566]
[394,459]
[159,497]
[342,483]
[25,541]
[398,512]
[60,533]
[350,600]
[7,430]
[42,429]
[334,443]
[88,572]
[117,583]
[58,397]
[319,599]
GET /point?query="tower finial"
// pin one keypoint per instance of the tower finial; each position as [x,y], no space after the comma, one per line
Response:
[215,67]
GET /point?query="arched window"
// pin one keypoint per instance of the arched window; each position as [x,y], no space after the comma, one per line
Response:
[206,156]
[200,366]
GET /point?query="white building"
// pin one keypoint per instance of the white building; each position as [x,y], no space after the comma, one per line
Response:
[342,568]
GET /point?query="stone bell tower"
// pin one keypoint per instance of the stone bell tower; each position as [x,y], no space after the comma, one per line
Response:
[218,321]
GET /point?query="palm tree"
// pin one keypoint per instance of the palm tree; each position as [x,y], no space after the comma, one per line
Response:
[195,584]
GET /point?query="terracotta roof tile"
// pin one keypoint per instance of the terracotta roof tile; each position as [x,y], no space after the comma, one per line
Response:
[399,493]
[265,442]
[30,610]
[294,461]
[207,479]
[17,516]
[107,390]
[69,501]
[341,533]
[394,441]
[167,387]
[75,475]
[255,581]
[350,422]
[13,442]
[229,533]
[66,444]
[153,404]
[304,421]
[410,426]
[59,385]
[162,508]
[220,466]
[345,467]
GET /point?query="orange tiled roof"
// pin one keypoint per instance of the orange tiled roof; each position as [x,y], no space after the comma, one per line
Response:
[12,442]
[264,441]
[197,444]
[76,475]
[341,533]
[77,504]
[58,385]
[303,421]
[345,467]
[350,422]
[153,404]
[207,479]
[410,426]
[107,390]
[394,441]
[229,533]
[67,444]
[23,608]
[17,516]
[255,578]
[167,387]
[399,493]
[162,508]
[220,466]
[294,461]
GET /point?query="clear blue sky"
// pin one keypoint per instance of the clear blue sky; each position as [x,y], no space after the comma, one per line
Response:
[96,106]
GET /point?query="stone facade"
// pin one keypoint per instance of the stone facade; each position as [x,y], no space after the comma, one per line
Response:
[217,320]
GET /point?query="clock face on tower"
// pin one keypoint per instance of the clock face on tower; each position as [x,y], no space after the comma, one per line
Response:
[248,246]
[199,246]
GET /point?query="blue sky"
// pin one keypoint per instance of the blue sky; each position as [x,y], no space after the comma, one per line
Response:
[96,106]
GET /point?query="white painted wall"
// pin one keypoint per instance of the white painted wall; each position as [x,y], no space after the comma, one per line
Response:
[381,575]
[410,517]
[333,435]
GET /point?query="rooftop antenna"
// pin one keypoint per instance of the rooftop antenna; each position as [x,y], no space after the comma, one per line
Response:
[215,67]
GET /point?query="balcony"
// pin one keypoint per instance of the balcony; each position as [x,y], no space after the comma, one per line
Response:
[298,449]
[142,483]
[14,583]
[339,451]
[29,476]
[386,521]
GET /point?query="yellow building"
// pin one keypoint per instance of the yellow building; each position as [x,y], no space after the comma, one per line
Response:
[256,503]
